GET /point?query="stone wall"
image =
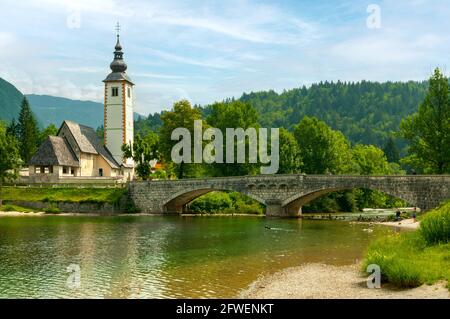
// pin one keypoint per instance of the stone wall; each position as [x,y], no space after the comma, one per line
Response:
[67,207]
[284,195]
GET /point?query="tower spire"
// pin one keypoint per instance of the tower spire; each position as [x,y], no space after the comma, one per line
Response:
[118,64]
[118,28]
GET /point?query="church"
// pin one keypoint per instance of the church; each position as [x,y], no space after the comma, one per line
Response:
[77,152]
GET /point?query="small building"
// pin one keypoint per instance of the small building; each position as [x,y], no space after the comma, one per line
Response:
[76,151]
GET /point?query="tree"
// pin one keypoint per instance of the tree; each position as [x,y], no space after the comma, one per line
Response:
[371,160]
[234,114]
[290,157]
[143,151]
[391,151]
[428,130]
[100,131]
[182,115]
[9,158]
[28,132]
[322,149]
[50,130]
[13,129]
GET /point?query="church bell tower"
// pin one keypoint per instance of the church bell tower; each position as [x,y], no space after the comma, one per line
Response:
[118,110]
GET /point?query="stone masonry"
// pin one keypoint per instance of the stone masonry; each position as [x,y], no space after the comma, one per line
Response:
[284,195]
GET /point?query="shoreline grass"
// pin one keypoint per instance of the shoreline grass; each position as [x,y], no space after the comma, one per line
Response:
[67,195]
[412,259]
[15,208]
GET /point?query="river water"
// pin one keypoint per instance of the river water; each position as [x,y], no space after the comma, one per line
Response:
[163,257]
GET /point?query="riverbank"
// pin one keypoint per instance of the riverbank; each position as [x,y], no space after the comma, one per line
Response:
[417,261]
[67,200]
[319,281]
[403,224]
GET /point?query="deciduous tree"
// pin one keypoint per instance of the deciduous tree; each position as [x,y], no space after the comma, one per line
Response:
[428,130]
[322,149]
[182,115]
[142,152]
[9,158]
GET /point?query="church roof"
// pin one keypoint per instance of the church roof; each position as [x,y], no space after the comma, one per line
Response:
[118,65]
[88,142]
[55,150]
[117,76]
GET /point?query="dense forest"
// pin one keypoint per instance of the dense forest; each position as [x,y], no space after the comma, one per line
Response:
[365,112]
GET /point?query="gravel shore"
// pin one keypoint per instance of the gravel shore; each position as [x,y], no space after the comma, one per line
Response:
[318,281]
[17,214]
[406,224]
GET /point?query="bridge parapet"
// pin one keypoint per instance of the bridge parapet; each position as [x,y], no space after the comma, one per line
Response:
[284,195]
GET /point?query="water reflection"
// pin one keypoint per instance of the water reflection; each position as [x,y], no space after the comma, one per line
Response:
[163,257]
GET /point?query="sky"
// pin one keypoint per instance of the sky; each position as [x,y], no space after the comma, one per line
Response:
[207,51]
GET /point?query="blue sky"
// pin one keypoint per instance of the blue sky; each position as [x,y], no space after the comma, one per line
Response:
[206,51]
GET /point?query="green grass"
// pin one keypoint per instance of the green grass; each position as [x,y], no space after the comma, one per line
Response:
[73,195]
[435,226]
[414,258]
[15,208]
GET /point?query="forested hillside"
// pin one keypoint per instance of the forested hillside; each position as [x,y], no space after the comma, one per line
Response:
[366,112]
[54,110]
[10,99]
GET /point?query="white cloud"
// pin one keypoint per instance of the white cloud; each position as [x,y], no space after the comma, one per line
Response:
[83,69]
[210,50]
[216,63]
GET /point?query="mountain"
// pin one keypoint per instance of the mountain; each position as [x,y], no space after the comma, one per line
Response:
[366,112]
[51,109]
[10,100]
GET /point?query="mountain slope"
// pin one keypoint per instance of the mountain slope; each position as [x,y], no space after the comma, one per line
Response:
[366,112]
[51,109]
[10,100]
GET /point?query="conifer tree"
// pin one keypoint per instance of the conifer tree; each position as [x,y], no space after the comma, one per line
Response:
[28,132]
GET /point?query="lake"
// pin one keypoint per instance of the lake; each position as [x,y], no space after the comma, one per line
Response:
[164,257]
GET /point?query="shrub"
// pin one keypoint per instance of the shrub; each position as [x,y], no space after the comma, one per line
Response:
[403,273]
[391,254]
[435,226]
[213,202]
[130,206]
[52,209]
[8,208]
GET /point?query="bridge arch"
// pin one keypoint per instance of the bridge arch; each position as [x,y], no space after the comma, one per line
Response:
[176,202]
[293,204]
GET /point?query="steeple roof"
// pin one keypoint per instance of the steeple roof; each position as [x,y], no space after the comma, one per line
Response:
[118,65]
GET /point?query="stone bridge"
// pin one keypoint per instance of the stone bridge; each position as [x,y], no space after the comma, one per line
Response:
[284,195]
